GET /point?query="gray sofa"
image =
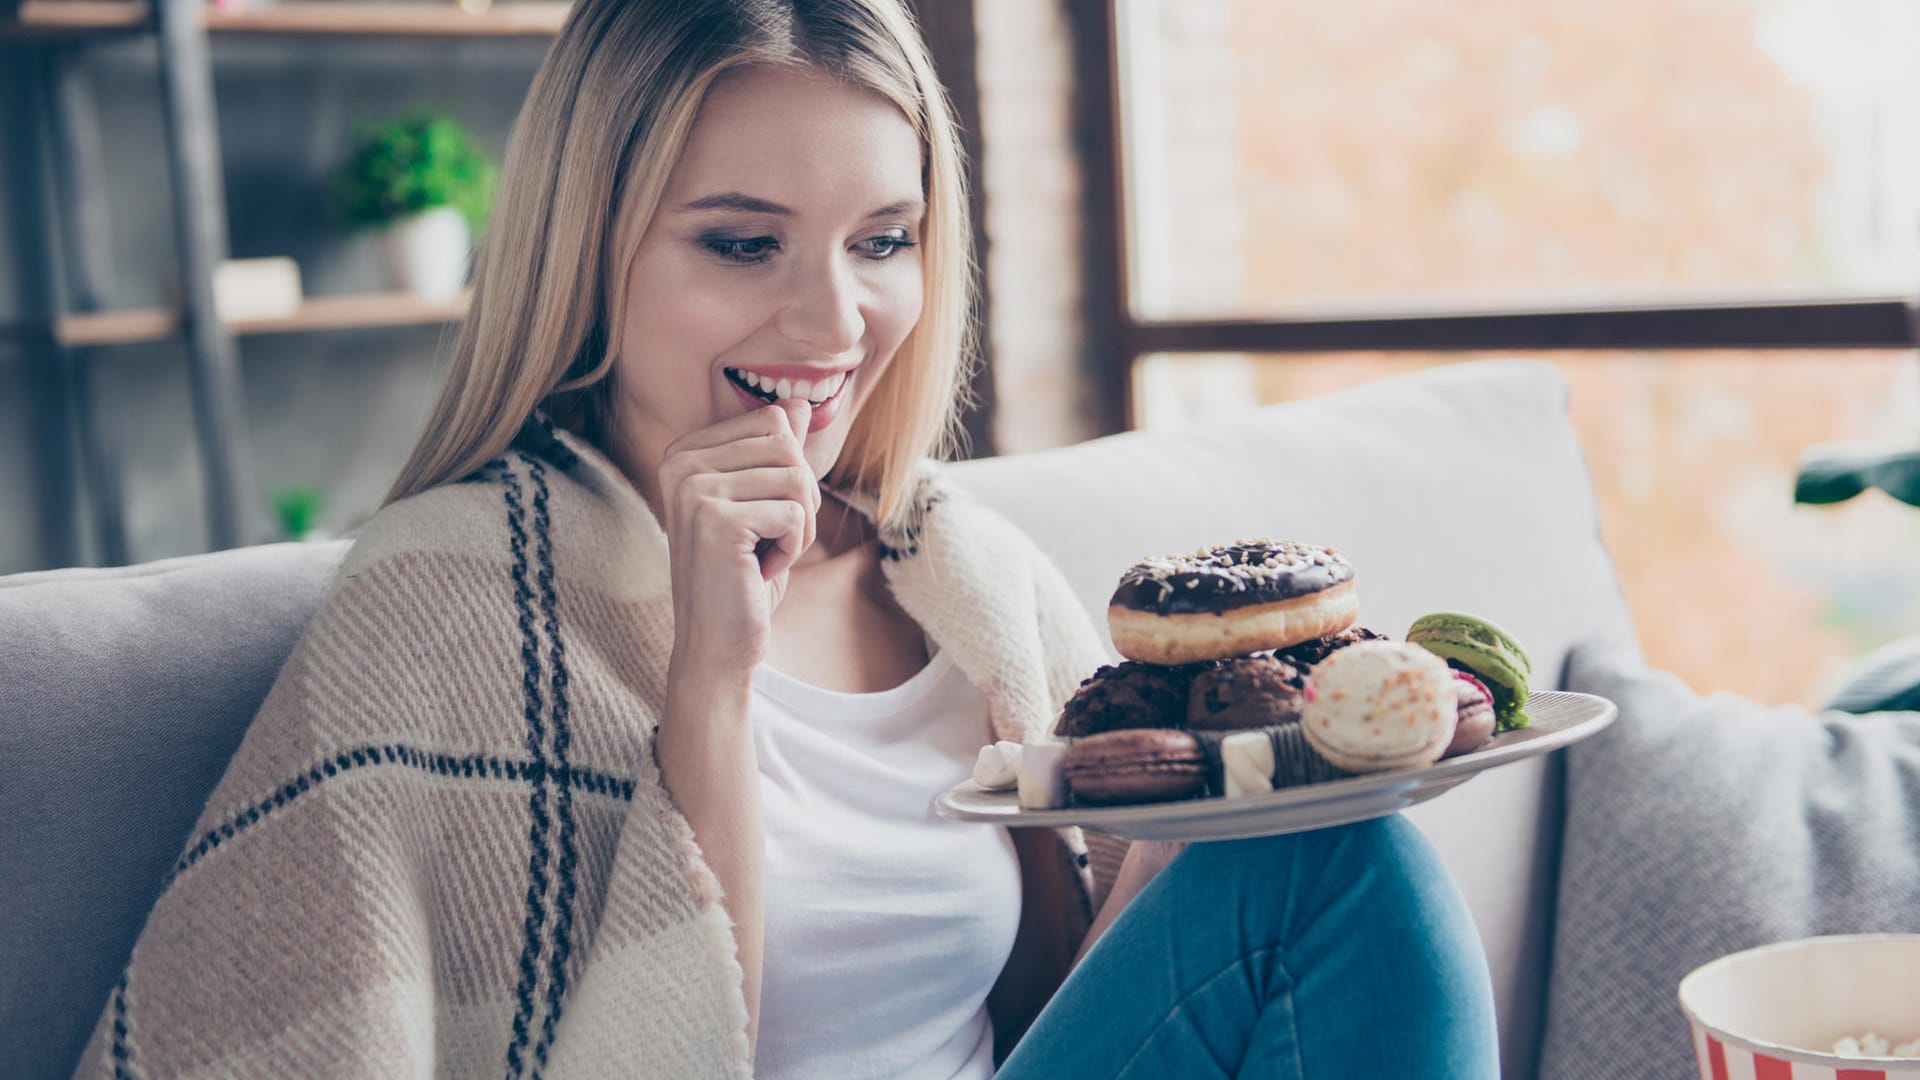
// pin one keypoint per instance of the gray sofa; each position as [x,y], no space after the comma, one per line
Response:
[1459,488]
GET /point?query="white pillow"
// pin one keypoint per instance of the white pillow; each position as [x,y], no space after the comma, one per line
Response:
[1456,488]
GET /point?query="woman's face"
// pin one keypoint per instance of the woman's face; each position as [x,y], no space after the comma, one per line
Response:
[779,264]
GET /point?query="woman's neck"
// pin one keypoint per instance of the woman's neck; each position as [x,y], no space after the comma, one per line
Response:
[839,530]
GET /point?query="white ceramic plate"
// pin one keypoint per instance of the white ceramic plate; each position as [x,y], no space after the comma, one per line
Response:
[1559,719]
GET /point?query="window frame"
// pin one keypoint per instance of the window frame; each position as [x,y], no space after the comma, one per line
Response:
[1863,322]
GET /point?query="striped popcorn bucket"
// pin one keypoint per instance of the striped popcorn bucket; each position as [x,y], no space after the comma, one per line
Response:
[1775,1012]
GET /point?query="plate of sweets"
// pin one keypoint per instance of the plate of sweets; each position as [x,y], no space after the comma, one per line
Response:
[1252,703]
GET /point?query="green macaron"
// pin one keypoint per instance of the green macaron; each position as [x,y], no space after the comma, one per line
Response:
[1487,652]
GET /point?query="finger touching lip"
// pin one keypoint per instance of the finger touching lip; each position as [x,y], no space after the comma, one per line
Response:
[799,416]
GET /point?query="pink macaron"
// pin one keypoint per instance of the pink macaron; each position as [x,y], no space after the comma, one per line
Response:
[1474,722]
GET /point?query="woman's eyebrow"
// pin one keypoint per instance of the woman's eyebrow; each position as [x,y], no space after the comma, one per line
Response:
[734,200]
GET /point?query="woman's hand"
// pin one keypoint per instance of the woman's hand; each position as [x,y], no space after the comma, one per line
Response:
[740,502]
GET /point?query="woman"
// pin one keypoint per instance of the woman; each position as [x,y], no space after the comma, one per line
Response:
[612,750]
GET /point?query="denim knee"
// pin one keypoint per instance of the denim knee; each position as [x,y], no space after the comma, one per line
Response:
[1384,865]
[1388,841]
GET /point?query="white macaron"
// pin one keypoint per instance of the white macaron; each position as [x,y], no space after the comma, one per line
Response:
[1380,705]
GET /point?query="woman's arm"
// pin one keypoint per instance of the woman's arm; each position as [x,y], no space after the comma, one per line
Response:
[709,767]
[739,505]
[1145,858]
[1048,894]
[1052,907]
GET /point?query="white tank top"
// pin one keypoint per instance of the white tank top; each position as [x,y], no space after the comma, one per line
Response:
[886,924]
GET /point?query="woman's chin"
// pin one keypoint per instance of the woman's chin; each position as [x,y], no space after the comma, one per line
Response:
[823,451]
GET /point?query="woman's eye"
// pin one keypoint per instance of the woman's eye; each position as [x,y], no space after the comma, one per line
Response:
[755,250]
[884,246]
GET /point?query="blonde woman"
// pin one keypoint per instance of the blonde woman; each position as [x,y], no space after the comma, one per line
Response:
[612,749]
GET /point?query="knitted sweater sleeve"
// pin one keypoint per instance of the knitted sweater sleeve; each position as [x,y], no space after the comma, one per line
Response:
[1074,649]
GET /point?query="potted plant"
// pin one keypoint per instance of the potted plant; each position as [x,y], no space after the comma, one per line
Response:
[424,182]
[297,509]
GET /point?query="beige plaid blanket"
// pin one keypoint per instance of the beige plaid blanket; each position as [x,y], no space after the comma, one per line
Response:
[443,847]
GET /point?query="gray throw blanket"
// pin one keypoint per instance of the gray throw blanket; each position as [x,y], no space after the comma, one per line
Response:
[1698,827]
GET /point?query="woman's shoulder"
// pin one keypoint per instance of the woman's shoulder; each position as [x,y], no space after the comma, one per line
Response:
[937,507]
[943,507]
[546,507]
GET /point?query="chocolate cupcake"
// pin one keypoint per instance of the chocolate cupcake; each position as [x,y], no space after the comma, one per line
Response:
[1308,653]
[1249,692]
[1128,695]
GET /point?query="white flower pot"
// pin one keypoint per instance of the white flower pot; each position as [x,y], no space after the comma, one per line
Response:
[427,253]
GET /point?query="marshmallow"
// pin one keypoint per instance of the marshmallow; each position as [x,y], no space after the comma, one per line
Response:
[1246,757]
[998,767]
[1043,775]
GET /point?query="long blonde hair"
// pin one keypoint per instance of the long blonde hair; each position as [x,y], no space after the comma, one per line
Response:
[603,125]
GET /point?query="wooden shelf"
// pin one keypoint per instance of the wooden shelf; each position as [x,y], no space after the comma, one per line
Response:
[134,326]
[45,19]
[430,18]
[374,18]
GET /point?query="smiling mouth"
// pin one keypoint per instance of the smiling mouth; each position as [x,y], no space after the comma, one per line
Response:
[814,392]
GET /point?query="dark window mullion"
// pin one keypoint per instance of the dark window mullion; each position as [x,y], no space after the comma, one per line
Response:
[1890,323]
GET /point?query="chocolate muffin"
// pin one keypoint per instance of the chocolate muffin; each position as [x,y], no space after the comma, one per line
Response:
[1308,653]
[1249,692]
[1128,695]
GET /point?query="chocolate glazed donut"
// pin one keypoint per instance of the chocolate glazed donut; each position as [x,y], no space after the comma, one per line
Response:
[1230,600]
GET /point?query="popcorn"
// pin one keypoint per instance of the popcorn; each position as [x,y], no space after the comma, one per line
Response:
[1875,1045]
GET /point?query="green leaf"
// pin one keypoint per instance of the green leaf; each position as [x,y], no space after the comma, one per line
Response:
[415,162]
[298,509]
[1836,472]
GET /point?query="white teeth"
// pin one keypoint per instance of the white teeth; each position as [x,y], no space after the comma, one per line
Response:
[816,393]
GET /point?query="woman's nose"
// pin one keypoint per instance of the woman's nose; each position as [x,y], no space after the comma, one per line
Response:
[824,311]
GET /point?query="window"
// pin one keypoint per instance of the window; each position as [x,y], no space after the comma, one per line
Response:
[1707,214]
[1291,157]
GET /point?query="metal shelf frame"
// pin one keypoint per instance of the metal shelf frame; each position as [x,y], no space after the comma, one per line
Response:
[65,166]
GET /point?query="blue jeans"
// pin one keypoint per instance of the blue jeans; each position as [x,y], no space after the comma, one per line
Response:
[1340,954]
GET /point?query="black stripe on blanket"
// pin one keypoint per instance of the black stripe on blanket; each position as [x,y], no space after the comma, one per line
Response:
[122,1050]
[468,767]
[903,541]
[533,940]
[556,777]
[538,438]
[562,741]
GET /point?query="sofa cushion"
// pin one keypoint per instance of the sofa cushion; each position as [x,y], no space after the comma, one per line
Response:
[126,692]
[1461,487]
[1699,826]
[1457,488]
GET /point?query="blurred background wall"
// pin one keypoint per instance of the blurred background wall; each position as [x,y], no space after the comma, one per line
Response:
[1282,159]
